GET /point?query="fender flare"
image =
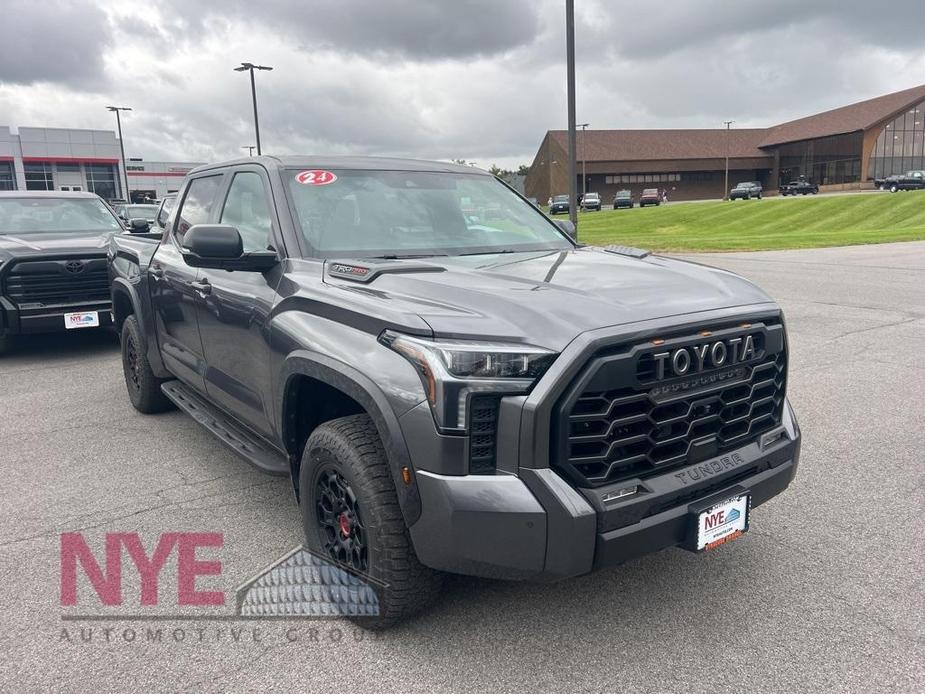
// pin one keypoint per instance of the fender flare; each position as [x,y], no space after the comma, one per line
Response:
[361,388]
[142,312]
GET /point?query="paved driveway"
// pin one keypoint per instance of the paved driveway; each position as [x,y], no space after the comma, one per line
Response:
[824,594]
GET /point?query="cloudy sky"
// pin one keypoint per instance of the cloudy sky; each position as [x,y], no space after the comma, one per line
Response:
[480,80]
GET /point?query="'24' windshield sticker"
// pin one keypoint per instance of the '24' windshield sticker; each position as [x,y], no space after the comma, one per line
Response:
[315,177]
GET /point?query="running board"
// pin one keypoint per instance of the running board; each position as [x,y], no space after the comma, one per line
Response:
[229,432]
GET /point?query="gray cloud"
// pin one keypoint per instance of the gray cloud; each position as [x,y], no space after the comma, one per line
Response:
[409,29]
[53,42]
[477,80]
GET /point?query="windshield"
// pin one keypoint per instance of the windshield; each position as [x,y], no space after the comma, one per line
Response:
[650,191]
[743,185]
[140,211]
[591,196]
[31,215]
[623,194]
[560,198]
[361,213]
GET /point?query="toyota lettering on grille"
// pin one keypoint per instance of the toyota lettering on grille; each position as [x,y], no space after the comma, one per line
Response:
[693,359]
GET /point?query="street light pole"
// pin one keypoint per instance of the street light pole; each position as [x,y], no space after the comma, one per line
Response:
[250,67]
[570,79]
[250,150]
[584,156]
[116,109]
[726,184]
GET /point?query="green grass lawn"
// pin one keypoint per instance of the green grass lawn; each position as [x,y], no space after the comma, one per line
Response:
[751,225]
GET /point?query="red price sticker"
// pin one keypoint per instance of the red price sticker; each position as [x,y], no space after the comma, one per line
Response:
[315,177]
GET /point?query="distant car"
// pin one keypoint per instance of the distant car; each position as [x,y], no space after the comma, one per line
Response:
[799,188]
[911,180]
[591,201]
[128,212]
[745,191]
[623,198]
[559,204]
[163,210]
[650,196]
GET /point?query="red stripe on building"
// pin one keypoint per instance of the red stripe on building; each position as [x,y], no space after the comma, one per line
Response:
[6,158]
[152,173]
[83,160]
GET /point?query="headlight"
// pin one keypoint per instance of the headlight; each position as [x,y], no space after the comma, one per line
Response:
[451,370]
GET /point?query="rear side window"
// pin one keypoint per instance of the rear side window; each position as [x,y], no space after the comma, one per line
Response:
[197,204]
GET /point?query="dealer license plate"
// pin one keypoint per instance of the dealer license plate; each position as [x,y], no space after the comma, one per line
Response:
[84,319]
[722,522]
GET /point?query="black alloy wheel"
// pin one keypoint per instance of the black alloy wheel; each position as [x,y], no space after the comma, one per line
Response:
[340,523]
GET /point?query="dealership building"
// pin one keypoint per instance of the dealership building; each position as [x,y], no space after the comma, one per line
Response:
[845,148]
[87,160]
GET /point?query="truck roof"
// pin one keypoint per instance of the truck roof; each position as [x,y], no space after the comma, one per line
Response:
[355,163]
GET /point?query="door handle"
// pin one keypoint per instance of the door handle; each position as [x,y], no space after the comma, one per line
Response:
[202,287]
[157,272]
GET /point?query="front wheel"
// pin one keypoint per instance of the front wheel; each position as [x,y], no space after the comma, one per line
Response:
[5,343]
[144,388]
[894,188]
[350,514]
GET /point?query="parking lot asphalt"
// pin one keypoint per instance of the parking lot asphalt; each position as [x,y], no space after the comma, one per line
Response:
[824,594]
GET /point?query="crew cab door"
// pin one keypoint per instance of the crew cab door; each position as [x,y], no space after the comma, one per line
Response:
[234,314]
[175,291]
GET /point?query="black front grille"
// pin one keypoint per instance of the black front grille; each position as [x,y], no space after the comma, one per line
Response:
[483,434]
[608,435]
[54,282]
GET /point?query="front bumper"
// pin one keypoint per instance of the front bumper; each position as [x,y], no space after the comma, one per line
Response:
[15,320]
[537,526]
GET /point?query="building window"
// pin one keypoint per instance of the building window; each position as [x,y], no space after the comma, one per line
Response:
[101,179]
[38,176]
[7,180]
[68,168]
[900,146]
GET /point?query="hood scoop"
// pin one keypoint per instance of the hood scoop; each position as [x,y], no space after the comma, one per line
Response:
[368,270]
[629,251]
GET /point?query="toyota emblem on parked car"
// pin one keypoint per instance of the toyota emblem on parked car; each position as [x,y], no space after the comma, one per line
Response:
[75,267]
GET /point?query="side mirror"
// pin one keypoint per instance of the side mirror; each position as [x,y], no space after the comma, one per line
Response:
[566,226]
[219,246]
[139,226]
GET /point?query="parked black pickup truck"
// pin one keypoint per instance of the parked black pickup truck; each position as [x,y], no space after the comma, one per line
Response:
[53,262]
[451,390]
[801,187]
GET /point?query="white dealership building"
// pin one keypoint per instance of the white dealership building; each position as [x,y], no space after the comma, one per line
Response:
[73,159]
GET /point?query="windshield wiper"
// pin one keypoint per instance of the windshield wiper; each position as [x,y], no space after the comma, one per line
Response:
[408,256]
[498,252]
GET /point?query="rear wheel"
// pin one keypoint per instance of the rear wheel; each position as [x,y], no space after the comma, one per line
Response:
[350,513]
[144,388]
[6,342]
[894,188]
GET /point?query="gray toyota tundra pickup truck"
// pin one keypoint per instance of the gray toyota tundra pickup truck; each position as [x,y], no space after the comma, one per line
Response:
[53,262]
[452,383]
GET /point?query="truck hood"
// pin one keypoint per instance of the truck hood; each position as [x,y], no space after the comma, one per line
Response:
[20,245]
[548,298]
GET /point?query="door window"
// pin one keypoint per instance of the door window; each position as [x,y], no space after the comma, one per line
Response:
[246,208]
[197,205]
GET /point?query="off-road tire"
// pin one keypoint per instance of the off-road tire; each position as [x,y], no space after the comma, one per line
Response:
[144,388]
[351,446]
[6,342]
